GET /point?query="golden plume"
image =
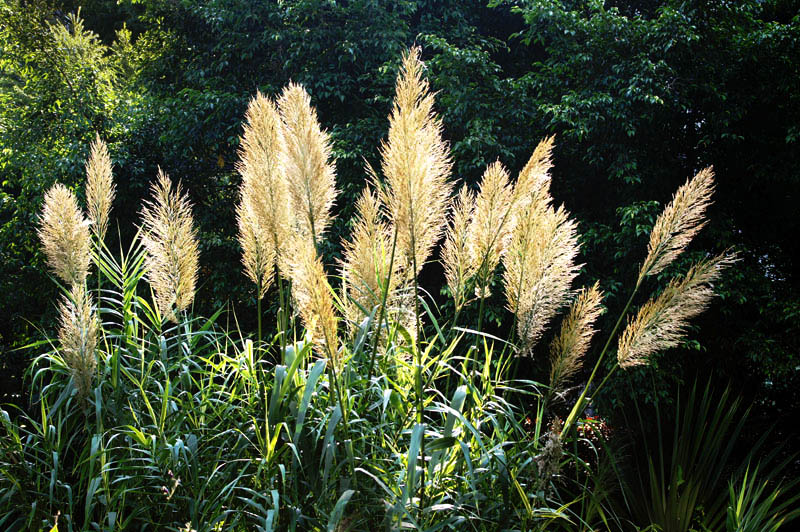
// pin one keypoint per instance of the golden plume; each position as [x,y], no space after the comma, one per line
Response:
[365,266]
[258,253]
[661,322]
[310,177]
[490,228]
[416,163]
[65,235]
[577,330]
[458,268]
[539,268]
[100,187]
[533,182]
[263,210]
[314,301]
[78,337]
[679,222]
[170,242]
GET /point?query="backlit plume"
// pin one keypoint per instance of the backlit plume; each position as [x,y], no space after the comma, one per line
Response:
[577,329]
[78,337]
[65,236]
[309,174]
[680,221]
[314,301]
[365,267]
[661,322]
[490,227]
[171,243]
[456,259]
[100,189]
[263,210]
[416,163]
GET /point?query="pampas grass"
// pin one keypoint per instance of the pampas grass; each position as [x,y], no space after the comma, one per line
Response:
[100,188]
[416,164]
[365,267]
[263,210]
[661,323]
[683,218]
[77,336]
[491,224]
[309,174]
[572,342]
[170,241]
[65,236]
[456,258]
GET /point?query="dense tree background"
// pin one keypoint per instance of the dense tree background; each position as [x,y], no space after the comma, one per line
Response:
[640,94]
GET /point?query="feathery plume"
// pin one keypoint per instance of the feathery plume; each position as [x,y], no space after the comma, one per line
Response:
[458,267]
[78,337]
[314,301]
[661,322]
[263,209]
[100,189]
[310,177]
[258,253]
[365,266]
[416,163]
[683,218]
[490,228]
[539,268]
[170,241]
[577,330]
[65,235]
[534,179]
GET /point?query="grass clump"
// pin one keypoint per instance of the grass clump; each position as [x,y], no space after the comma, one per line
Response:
[372,411]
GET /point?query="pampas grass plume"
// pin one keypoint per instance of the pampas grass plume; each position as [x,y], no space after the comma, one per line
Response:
[263,210]
[490,227]
[678,223]
[416,163]
[661,323]
[78,337]
[170,241]
[314,301]
[100,188]
[458,266]
[310,177]
[577,329]
[65,236]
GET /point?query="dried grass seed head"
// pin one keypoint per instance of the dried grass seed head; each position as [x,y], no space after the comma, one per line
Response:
[65,235]
[313,298]
[661,322]
[309,174]
[491,224]
[77,337]
[577,329]
[366,261]
[100,188]
[680,221]
[416,163]
[170,241]
[539,269]
[263,209]
[456,257]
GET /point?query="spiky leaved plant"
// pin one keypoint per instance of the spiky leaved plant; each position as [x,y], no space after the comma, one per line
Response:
[170,241]
[65,236]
